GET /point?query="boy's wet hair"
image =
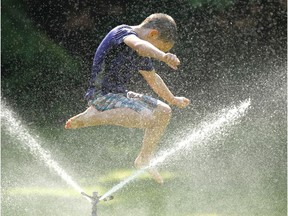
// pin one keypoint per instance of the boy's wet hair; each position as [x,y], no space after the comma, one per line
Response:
[165,25]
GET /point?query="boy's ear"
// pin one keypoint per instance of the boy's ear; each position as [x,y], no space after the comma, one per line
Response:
[153,33]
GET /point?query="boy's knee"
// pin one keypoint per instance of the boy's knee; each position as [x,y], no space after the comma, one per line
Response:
[148,118]
[164,110]
[161,115]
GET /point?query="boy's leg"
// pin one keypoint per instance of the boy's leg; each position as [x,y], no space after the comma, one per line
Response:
[122,117]
[154,123]
[161,116]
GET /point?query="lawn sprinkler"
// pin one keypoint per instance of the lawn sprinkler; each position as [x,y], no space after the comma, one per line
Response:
[95,199]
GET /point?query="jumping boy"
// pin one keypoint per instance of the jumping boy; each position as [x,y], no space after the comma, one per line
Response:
[124,51]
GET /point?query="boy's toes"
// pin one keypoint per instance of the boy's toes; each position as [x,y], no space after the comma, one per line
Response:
[68,124]
[152,171]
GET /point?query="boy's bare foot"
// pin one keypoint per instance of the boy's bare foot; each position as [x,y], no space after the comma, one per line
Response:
[152,171]
[155,175]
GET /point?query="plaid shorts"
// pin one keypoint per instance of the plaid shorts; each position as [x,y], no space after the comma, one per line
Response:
[132,100]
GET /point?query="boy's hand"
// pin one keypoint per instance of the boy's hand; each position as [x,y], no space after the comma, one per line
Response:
[181,102]
[171,60]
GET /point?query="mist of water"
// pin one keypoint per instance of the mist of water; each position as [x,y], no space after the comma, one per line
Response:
[208,130]
[205,132]
[17,130]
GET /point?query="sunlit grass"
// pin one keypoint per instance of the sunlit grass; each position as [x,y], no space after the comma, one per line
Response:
[41,191]
[112,177]
[51,192]
[203,214]
[120,174]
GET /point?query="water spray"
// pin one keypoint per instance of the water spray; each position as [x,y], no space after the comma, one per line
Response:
[202,134]
[19,131]
[205,132]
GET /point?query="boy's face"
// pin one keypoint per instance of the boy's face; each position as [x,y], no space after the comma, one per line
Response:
[161,45]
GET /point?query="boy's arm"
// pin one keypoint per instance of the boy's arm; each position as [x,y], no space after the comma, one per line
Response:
[160,88]
[146,49]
